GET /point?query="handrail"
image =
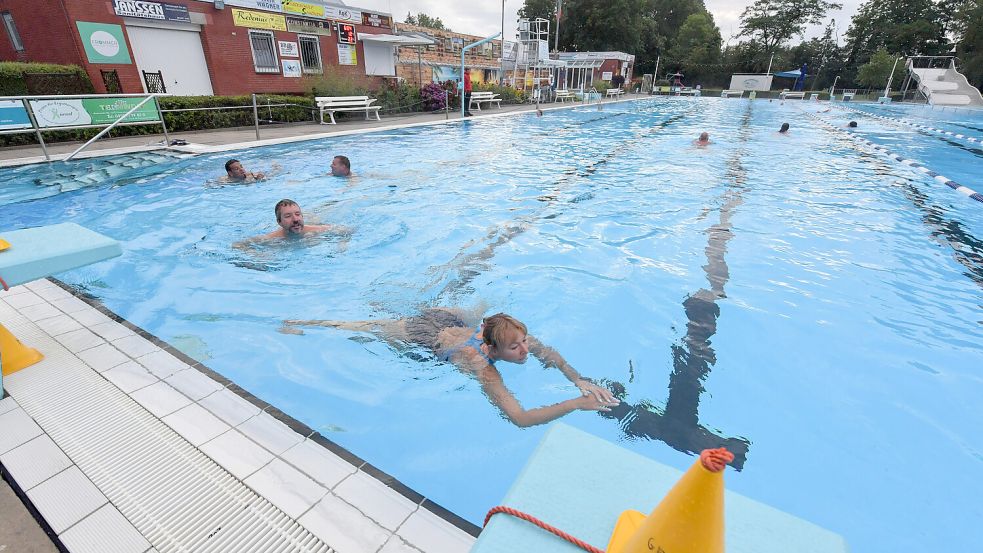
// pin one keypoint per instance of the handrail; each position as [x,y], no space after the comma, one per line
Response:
[110,127]
[74,96]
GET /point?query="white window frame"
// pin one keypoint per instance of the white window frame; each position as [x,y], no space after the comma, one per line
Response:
[272,42]
[317,50]
[8,23]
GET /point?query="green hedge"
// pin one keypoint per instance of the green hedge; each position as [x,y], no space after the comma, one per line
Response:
[12,81]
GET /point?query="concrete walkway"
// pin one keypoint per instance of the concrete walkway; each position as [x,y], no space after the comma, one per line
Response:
[213,140]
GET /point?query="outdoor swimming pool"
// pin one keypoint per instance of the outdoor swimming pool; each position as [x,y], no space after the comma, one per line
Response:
[799,294]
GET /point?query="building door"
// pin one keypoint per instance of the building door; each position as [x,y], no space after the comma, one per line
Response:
[176,54]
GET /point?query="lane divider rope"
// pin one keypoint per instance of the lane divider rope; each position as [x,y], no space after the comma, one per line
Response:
[917,125]
[965,190]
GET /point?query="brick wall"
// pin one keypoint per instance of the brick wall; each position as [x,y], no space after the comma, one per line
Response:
[47,29]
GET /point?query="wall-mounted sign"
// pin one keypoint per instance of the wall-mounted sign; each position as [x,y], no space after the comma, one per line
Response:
[376,20]
[103,43]
[291,68]
[347,15]
[268,5]
[90,111]
[289,49]
[346,33]
[258,20]
[347,54]
[13,115]
[151,10]
[606,76]
[303,8]
[311,26]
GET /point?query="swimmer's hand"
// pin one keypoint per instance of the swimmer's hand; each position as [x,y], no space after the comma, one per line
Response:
[590,402]
[597,394]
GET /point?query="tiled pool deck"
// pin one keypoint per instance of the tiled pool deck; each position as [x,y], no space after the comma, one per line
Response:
[96,362]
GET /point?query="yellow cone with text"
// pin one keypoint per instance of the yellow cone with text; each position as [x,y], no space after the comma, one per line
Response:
[689,519]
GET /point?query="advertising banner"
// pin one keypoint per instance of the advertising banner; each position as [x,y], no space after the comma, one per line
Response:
[303,8]
[258,20]
[288,49]
[291,68]
[309,26]
[376,20]
[347,54]
[745,81]
[346,33]
[151,10]
[338,13]
[90,111]
[13,115]
[104,43]
[268,5]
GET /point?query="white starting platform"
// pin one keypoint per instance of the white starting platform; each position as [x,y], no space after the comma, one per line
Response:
[581,484]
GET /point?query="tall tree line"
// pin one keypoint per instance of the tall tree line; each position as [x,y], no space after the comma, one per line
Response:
[684,35]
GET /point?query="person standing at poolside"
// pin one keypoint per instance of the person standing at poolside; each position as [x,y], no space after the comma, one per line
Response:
[474,347]
[290,218]
[235,172]
[703,140]
[467,93]
[341,167]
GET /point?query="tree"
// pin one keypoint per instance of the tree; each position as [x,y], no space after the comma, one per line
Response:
[771,23]
[697,47]
[967,30]
[424,20]
[875,73]
[545,9]
[911,27]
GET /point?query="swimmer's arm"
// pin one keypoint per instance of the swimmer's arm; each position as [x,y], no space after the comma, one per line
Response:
[247,244]
[334,229]
[498,394]
[552,358]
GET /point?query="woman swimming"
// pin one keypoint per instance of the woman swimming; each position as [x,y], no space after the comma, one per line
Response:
[457,336]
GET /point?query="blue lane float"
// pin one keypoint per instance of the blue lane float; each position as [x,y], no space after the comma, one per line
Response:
[965,190]
[918,126]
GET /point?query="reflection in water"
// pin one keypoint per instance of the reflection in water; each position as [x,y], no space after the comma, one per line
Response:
[678,424]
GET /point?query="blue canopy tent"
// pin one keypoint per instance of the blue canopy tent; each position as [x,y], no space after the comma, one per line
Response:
[798,74]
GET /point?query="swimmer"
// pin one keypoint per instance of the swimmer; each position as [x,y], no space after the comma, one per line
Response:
[539,112]
[290,218]
[703,140]
[476,346]
[784,129]
[234,172]
[341,167]
[852,125]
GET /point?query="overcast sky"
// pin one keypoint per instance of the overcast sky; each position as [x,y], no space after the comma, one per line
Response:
[484,17]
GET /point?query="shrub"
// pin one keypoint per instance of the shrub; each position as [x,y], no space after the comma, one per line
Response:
[396,97]
[66,79]
[508,94]
[434,97]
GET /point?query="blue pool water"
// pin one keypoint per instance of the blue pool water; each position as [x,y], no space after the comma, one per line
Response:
[799,294]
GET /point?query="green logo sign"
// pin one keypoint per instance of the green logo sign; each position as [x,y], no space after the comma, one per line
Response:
[90,111]
[103,43]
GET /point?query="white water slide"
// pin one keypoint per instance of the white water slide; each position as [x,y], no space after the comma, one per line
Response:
[943,86]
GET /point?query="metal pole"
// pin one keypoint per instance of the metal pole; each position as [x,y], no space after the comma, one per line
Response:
[501,50]
[255,117]
[655,77]
[559,12]
[167,140]
[37,130]
[463,50]
[447,105]
[832,89]
[889,79]
[110,127]
[769,64]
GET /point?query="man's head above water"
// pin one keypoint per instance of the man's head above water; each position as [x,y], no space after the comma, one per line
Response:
[289,216]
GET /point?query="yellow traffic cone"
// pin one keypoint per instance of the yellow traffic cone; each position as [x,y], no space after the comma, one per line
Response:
[689,519]
[14,355]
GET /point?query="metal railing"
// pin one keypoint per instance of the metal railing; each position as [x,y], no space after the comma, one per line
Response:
[37,129]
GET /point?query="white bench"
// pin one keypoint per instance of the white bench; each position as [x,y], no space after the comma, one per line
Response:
[729,93]
[564,95]
[331,104]
[688,90]
[786,94]
[615,92]
[487,97]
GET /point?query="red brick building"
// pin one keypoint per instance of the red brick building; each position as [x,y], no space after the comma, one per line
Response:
[200,47]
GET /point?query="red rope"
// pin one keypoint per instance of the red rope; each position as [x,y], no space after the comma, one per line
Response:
[4,283]
[529,518]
